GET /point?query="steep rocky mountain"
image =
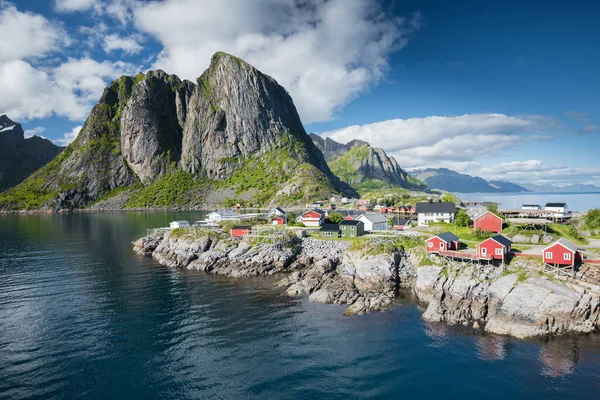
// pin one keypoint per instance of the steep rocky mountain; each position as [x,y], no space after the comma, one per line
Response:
[452,181]
[234,135]
[363,166]
[330,148]
[19,157]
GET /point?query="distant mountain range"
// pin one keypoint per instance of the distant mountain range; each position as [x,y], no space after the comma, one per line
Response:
[452,181]
[579,188]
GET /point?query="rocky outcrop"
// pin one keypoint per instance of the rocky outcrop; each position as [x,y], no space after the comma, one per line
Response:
[331,149]
[232,121]
[323,270]
[19,157]
[520,304]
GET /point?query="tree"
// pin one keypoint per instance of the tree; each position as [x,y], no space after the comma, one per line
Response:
[493,208]
[448,198]
[462,218]
[336,217]
[592,219]
[291,217]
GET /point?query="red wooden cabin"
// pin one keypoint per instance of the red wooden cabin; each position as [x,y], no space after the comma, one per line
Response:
[238,231]
[496,247]
[278,220]
[314,217]
[442,241]
[488,222]
[562,252]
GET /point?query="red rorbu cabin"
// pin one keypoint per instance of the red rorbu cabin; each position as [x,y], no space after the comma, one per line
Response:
[278,220]
[238,231]
[443,241]
[563,252]
[496,247]
[487,222]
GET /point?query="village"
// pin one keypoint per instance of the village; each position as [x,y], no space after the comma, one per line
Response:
[440,227]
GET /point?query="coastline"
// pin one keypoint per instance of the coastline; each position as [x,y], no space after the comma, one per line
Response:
[517,302]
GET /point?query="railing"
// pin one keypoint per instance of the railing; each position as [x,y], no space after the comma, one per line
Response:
[462,254]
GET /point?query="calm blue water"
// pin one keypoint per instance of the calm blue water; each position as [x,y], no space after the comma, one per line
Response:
[81,316]
[581,202]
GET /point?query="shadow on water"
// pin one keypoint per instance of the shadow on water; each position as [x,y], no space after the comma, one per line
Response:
[82,316]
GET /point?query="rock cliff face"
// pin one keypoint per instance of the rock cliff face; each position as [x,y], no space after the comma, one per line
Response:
[19,157]
[234,127]
[360,165]
[323,270]
[517,304]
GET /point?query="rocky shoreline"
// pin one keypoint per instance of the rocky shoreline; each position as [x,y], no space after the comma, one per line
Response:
[518,302]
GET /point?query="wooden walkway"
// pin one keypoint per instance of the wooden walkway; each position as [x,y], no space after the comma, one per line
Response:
[463,255]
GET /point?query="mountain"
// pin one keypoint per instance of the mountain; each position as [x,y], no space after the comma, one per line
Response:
[19,157]
[234,135]
[452,181]
[363,166]
[576,188]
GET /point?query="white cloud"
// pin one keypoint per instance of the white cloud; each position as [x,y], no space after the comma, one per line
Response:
[34,132]
[590,129]
[325,53]
[74,5]
[118,9]
[68,90]
[420,142]
[539,172]
[128,45]
[68,137]
[27,35]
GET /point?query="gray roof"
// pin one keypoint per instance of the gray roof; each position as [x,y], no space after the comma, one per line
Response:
[277,210]
[448,237]
[567,243]
[330,228]
[503,240]
[375,218]
[352,222]
[435,207]
[402,221]
[556,204]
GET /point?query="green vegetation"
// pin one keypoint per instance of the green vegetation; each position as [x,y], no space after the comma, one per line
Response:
[592,221]
[450,198]
[177,187]
[569,232]
[335,217]
[462,218]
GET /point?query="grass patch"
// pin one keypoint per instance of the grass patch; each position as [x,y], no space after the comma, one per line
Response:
[173,188]
[569,232]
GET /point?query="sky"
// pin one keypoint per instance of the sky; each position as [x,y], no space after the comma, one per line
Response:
[504,90]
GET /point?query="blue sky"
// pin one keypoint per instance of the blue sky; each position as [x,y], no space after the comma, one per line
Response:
[505,90]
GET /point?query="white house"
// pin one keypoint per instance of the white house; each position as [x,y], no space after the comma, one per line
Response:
[314,217]
[428,212]
[178,224]
[276,212]
[219,216]
[374,222]
[557,207]
[531,207]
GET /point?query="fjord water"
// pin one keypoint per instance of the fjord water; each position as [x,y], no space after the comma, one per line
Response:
[581,202]
[81,316]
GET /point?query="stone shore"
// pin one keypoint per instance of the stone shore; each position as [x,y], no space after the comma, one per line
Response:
[519,302]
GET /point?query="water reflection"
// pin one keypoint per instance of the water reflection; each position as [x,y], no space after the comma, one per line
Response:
[559,357]
[492,347]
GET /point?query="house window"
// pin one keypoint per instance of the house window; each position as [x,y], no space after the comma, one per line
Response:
[499,252]
[351,228]
[442,245]
[548,254]
[430,244]
[567,256]
[483,250]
